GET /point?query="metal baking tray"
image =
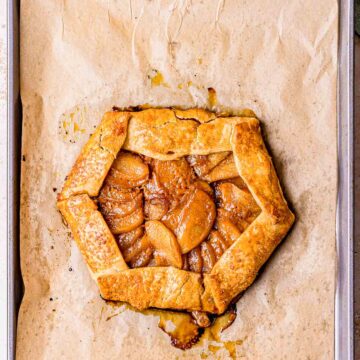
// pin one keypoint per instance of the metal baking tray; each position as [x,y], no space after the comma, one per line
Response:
[14,287]
[344,328]
[344,348]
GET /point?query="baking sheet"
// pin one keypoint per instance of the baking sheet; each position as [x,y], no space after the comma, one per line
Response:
[12,146]
[278,58]
[344,299]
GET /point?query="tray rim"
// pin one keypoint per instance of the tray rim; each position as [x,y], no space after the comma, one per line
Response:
[344,328]
[14,280]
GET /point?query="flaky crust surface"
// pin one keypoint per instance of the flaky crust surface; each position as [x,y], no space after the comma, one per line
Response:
[169,134]
[161,287]
[92,235]
[96,157]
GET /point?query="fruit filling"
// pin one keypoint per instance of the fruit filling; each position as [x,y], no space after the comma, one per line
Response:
[184,213]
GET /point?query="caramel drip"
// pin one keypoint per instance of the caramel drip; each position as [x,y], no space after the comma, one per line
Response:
[185,333]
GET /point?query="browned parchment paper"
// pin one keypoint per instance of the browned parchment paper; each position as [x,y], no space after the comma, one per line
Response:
[277,57]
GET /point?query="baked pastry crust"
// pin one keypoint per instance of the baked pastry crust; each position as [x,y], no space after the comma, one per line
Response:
[96,157]
[167,134]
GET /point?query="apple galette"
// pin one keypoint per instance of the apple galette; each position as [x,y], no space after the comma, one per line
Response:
[175,209]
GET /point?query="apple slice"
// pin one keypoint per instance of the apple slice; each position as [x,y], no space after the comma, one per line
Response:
[128,171]
[113,193]
[218,243]
[201,318]
[126,240]
[204,186]
[118,224]
[164,242]
[203,164]
[155,209]
[140,245]
[120,208]
[225,170]
[195,260]
[227,229]
[208,255]
[238,202]
[192,219]
[173,176]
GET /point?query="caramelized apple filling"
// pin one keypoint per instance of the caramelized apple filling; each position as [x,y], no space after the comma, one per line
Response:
[184,213]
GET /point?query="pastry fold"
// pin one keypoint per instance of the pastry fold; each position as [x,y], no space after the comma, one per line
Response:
[164,135]
[238,267]
[160,287]
[92,235]
[96,157]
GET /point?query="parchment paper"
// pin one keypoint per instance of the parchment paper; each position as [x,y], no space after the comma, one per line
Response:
[277,57]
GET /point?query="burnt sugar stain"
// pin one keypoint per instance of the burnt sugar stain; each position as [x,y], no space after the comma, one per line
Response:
[157,78]
[212,97]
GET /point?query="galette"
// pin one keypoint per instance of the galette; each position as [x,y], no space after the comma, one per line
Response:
[175,209]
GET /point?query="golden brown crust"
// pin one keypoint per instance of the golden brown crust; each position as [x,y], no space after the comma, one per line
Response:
[160,134]
[92,235]
[96,157]
[200,115]
[256,169]
[161,287]
[166,134]
[239,265]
